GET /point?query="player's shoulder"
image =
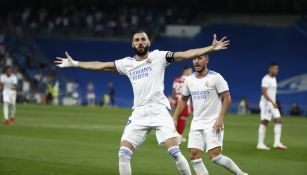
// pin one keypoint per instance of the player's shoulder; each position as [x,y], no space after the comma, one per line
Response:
[159,53]
[126,59]
[214,74]
[211,72]
[267,77]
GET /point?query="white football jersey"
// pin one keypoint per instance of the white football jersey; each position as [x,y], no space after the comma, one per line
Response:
[146,77]
[8,82]
[205,92]
[271,84]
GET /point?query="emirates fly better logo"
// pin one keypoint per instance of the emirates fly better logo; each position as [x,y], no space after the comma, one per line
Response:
[296,84]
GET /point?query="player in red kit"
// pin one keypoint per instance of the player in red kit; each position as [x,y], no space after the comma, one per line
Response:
[176,94]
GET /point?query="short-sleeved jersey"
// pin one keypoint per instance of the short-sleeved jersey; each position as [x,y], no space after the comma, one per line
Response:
[8,82]
[271,84]
[146,77]
[207,103]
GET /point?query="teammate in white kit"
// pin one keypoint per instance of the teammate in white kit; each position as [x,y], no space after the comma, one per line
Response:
[151,108]
[207,89]
[8,82]
[269,109]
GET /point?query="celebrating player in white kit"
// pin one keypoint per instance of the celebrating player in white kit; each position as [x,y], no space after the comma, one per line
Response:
[207,89]
[151,108]
[8,82]
[269,109]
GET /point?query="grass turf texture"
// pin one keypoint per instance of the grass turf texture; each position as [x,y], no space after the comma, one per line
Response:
[52,140]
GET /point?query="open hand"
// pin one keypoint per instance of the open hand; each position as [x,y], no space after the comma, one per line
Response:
[65,62]
[220,44]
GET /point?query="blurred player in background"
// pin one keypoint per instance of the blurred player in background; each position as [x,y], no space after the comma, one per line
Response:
[90,95]
[207,89]
[151,107]
[8,84]
[176,94]
[269,109]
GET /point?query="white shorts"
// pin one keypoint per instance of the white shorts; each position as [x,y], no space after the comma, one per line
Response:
[146,118]
[205,139]
[267,111]
[9,97]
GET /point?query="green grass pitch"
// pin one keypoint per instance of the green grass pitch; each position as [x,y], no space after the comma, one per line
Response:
[48,140]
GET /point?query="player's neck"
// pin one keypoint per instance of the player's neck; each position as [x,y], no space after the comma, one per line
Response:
[271,75]
[141,57]
[202,73]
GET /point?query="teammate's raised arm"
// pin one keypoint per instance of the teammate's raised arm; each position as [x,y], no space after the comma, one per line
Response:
[193,53]
[92,65]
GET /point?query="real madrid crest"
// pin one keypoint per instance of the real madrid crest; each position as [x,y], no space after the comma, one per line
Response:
[148,61]
[207,83]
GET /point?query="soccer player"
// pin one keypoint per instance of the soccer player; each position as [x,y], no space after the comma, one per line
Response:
[8,82]
[269,109]
[176,94]
[151,108]
[207,89]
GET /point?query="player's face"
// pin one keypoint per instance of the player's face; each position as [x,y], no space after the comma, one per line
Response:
[273,70]
[140,43]
[200,63]
[8,71]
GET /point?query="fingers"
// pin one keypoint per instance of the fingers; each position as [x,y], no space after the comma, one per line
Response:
[214,36]
[58,62]
[67,55]
[217,129]
[224,38]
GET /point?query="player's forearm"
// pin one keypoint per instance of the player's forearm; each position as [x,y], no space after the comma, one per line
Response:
[266,96]
[192,53]
[180,106]
[226,104]
[95,65]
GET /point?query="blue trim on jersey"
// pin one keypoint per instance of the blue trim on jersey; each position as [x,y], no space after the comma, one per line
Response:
[202,76]
[223,91]
[134,58]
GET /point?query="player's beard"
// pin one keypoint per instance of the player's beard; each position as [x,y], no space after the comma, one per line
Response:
[200,69]
[141,53]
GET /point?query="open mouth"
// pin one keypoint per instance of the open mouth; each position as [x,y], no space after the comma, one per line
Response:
[197,66]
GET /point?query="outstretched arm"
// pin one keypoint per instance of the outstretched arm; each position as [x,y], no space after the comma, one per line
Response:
[193,53]
[92,65]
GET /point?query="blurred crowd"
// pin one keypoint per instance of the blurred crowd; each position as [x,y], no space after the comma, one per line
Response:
[93,20]
[33,73]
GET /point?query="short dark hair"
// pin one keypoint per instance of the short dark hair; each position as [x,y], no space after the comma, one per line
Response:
[139,31]
[273,64]
[6,68]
